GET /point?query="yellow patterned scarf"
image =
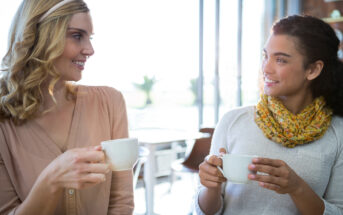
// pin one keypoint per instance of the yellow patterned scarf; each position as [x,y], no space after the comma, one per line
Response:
[280,125]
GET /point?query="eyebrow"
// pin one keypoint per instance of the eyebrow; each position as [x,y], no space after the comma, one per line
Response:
[79,29]
[278,53]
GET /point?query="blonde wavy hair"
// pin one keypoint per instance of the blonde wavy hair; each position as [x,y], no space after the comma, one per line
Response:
[33,47]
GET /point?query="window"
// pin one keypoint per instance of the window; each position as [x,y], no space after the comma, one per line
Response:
[159,40]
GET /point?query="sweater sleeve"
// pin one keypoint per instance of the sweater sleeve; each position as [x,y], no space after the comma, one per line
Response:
[218,141]
[8,196]
[121,196]
[119,121]
[333,197]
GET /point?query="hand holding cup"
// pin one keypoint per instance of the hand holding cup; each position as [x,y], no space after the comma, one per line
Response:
[235,167]
[121,154]
[210,176]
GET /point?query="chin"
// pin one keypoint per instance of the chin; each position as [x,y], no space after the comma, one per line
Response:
[269,92]
[75,78]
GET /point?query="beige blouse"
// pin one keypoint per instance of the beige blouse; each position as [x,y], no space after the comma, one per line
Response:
[100,114]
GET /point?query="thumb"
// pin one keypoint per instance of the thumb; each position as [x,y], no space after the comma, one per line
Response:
[222,151]
[92,148]
[97,148]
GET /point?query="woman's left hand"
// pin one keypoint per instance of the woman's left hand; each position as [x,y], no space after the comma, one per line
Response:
[280,177]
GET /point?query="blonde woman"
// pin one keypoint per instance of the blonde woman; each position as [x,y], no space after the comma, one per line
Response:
[50,130]
[296,129]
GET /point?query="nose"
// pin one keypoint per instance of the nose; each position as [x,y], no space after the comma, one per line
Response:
[88,49]
[267,66]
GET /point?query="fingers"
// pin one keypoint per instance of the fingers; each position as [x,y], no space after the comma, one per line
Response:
[222,151]
[268,179]
[89,156]
[269,162]
[208,168]
[85,175]
[278,175]
[209,175]
[94,168]
[85,180]
[270,186]
[266,169]
[92,178]
[98,148]
[210,181]
[213,160]
[211,184]
[80,167]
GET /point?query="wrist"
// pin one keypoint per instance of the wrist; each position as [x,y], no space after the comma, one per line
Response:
[213,191]
[48,182]
[210,200]
[299,190]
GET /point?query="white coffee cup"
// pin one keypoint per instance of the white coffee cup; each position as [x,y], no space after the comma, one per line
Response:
[235,167]
[121,154]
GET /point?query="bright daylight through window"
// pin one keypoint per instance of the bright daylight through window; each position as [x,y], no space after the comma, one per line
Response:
[149,50]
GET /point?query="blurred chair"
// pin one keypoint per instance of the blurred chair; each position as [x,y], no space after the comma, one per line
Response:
[142,157]
[190,164]
[138,171]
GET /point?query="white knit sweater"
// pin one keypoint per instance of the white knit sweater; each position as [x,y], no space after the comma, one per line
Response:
[319,163]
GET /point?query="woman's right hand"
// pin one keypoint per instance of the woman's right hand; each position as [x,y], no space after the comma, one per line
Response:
[209,174]
[77,168]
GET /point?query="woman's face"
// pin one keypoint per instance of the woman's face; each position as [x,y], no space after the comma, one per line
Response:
[77,48]
[283,69]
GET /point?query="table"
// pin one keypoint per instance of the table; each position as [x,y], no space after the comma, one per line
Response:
[151,138]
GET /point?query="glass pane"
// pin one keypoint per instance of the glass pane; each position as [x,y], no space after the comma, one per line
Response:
[153,38]
[159,39]
[252,39]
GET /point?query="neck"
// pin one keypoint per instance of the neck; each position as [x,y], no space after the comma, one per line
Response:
[296,104]
[59,93]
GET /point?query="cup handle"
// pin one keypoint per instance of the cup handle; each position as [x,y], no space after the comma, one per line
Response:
[219,168]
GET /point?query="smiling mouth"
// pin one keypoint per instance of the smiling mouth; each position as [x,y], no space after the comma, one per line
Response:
[80,63]
[268,81]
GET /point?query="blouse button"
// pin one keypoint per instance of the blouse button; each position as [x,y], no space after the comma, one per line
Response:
[71,191]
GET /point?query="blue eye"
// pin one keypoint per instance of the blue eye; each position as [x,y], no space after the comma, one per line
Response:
[77,36]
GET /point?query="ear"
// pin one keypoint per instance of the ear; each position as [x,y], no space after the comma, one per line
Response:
[314,70]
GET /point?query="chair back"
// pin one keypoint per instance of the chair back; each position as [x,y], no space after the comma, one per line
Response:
[200,150]
[143,154]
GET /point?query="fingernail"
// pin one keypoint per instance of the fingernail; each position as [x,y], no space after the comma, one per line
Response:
[251,176]
[255,160]
[252,166]
[97,148]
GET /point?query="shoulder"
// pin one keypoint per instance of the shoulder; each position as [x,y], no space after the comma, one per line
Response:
[337,127]
[103,93]
[337,122]
[99,90]
[236,118]
[337,134]
[239,113]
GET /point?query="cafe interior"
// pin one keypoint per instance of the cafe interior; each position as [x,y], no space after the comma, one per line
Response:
[181,65]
